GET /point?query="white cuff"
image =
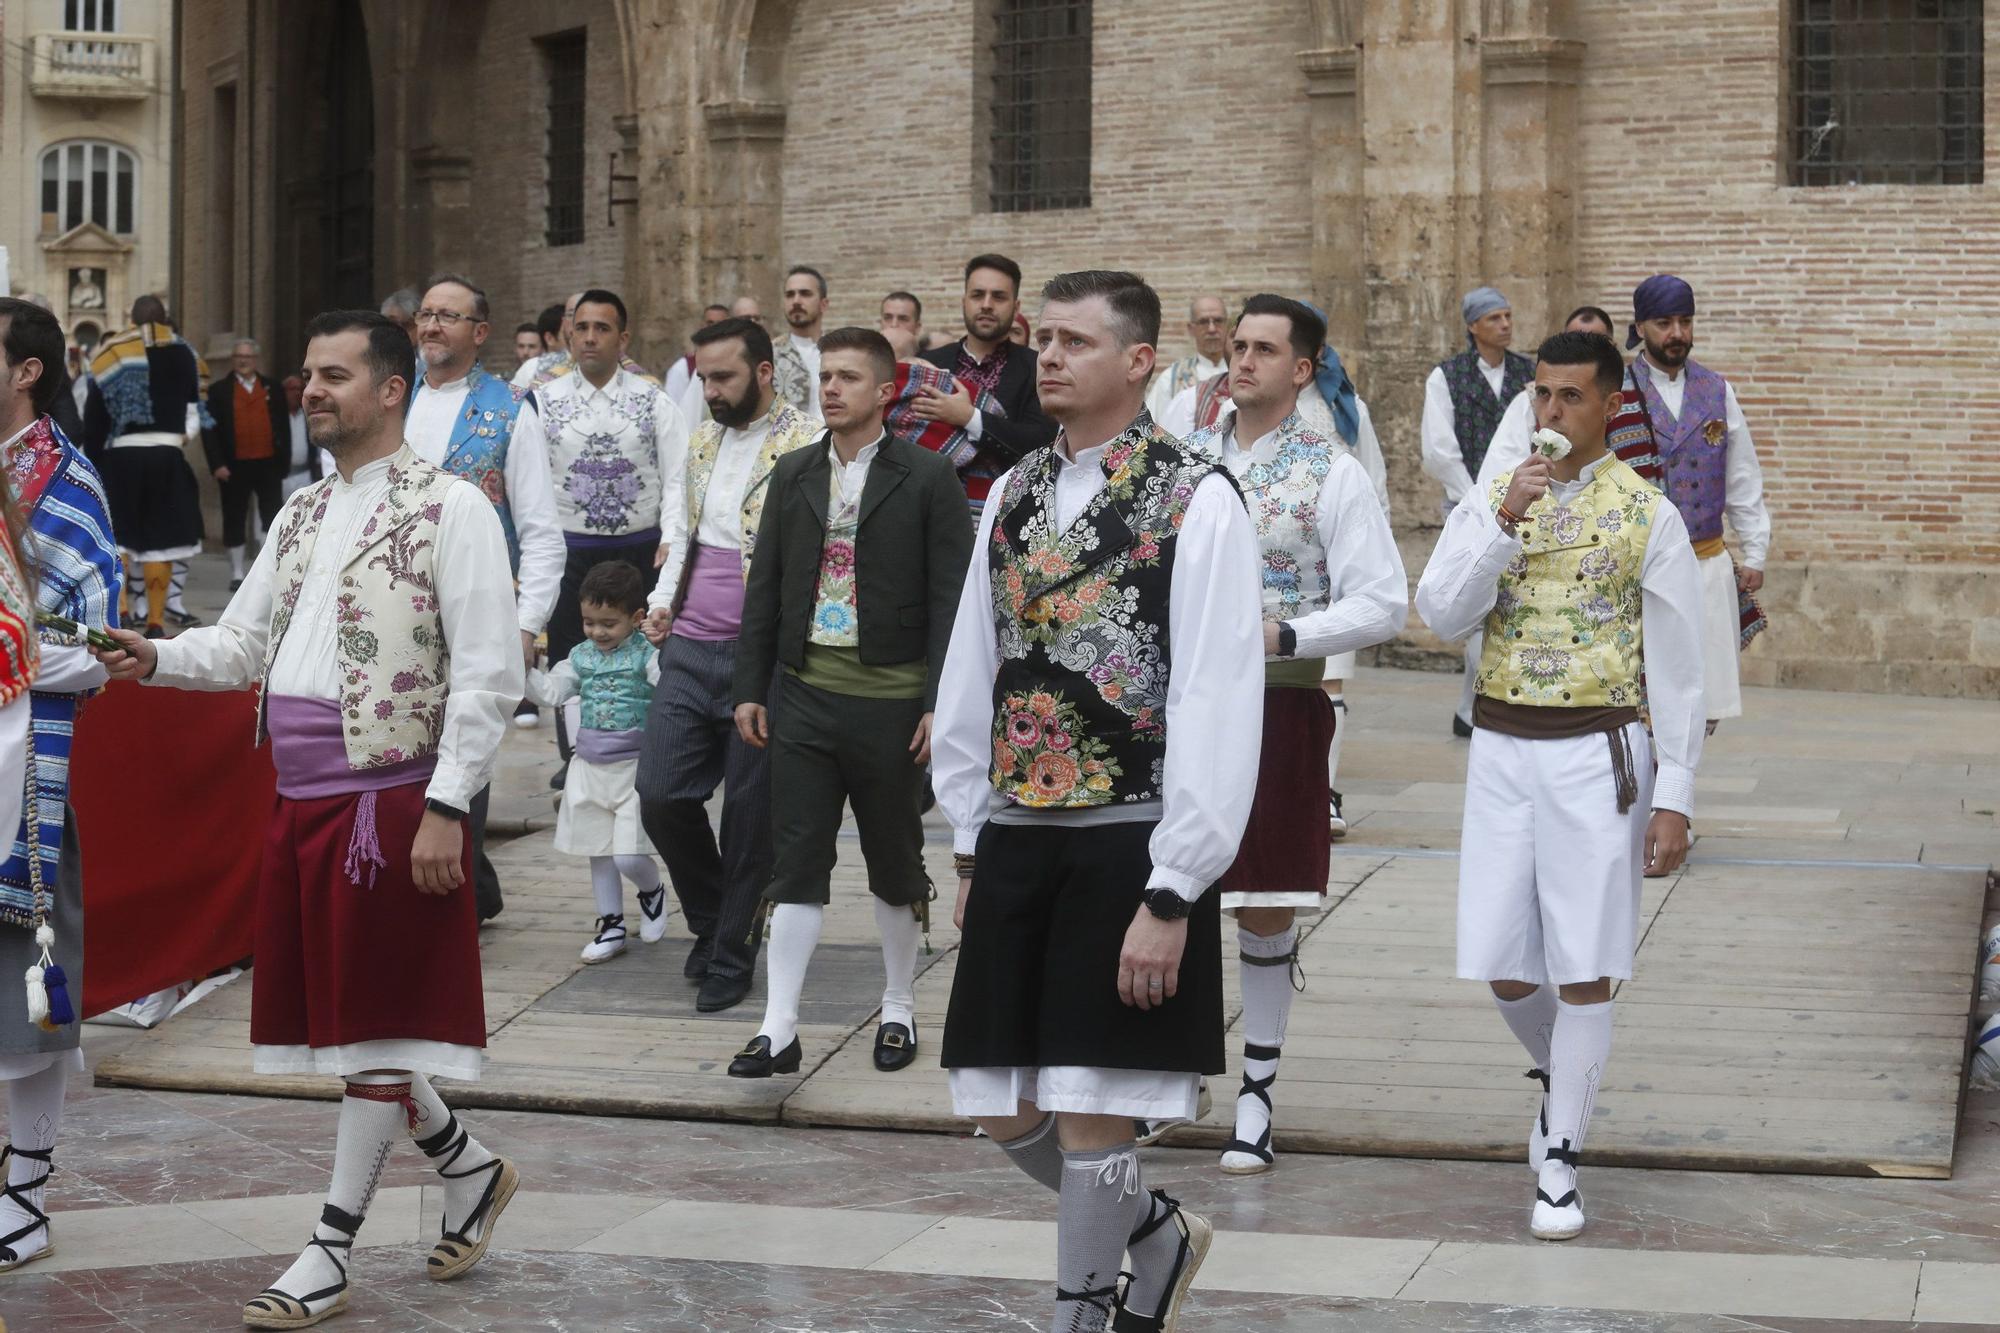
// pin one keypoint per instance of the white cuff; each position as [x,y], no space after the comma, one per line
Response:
[1186,885]
[1673,789]
[964,842]
[975,429]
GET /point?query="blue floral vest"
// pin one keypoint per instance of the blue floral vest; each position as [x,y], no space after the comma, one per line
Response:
[478,447]
[613,686]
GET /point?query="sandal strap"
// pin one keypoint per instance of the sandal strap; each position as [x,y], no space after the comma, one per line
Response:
[1564,1202]
[609,928]
[1170,1210]
[463,1235]
[1564,1153]
[1260,1149]
[20,1194]
[1166,1210]
[1540,1076]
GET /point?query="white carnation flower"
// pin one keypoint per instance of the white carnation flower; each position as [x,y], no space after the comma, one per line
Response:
[1551,444]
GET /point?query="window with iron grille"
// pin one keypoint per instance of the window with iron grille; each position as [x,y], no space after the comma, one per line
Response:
[1039,145]
[563,57]
[1887,92]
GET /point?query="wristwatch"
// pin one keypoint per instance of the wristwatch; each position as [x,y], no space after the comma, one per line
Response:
[1288,640]
[1167,905]
[450,812]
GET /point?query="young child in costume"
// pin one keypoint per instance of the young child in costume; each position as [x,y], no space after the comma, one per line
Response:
[612,674]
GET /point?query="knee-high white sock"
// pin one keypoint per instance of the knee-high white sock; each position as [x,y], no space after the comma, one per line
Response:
[1339,702]
[794,936]
[34,1119]
[235,562]
[1533,1022]
[605,886]
[900,936]
[645,876]
[1266,977]
[1578,1051]
[176,586]
[373,1116]
[457,1156]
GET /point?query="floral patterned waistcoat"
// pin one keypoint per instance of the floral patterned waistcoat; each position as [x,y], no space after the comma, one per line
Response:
[394,662]
[836,619]
[478,447]
[612,686]
[1694,446]
[790,429]
[1080,698]
[1565,630]
[1282,487]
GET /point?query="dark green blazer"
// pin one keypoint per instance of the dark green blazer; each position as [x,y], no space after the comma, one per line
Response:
[912,546]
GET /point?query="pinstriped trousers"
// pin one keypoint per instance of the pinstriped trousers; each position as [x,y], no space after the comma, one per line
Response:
[690,748]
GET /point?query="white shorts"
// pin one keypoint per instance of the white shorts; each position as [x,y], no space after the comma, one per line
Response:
[1140,1094]
[599,815]
[1549,871]
[1721,638]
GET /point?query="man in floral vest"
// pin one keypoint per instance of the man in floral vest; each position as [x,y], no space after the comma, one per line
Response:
[1583,578]
[1095,749]
[696,617]
[377,623]
[1712,474]
[1464,399]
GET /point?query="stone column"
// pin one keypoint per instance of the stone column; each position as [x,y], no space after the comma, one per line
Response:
[1529,96]
[1339,259]
[743,238]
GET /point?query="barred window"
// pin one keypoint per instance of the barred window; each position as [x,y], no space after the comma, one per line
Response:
[1887,92]
[563,56]
[1039,147]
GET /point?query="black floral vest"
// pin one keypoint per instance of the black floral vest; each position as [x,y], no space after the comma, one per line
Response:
[1475,411]
[1080,698]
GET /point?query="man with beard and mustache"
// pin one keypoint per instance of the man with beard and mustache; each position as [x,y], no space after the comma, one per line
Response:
[805,312]
[470,424]
[367,942]
[696,616]
[987,361]
[1712,473]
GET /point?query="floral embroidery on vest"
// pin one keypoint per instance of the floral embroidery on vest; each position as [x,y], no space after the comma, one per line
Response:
[1282,487]
[835,620]
[612,687]
[790,429]
[1691,445]
[478,447]
[604,455]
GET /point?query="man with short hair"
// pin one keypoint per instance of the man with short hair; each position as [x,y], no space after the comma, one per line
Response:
[401,306]
[367,943]
[845,624]
[243,445]
[527,345]
[985,362]
[1208,330]
[557,362]
[1568,798]
[152,382]
[470,424]
[902,310]
[1096,746]
[1712,473]
[681,372]
[616,448]
[696,617]
[805,311]
[1333,582]
[1464,399]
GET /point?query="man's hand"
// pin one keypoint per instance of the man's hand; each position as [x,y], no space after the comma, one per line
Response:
[753,724]
[222,474]
[660,555]
[658,623]
[528,653]
[964,892]
[1149,966]
[1270,638]
[437,856]
[1531,482]
[920,744]
[1748,579]
[134,658]
[1666,842]
[954,407]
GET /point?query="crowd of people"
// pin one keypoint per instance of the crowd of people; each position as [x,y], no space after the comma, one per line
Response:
[1098,609]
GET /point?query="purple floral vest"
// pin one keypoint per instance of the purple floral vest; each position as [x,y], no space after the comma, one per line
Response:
[1475,411]
[1693,446]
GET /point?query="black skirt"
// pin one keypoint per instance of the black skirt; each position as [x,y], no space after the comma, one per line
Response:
[1037,980]
[154,497]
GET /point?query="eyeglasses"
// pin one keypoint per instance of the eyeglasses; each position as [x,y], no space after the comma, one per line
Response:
[447,319]
[1211,322]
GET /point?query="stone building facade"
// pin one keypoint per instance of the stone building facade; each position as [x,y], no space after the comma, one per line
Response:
[1381,157]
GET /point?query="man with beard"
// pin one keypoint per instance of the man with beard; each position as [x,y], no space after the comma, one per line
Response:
[1712,473]
[367,943]
[985,361]
[1333,583]
[1208,329]
[695,617]
[1582,576]
[805,311]
[1095,750]
[470,424]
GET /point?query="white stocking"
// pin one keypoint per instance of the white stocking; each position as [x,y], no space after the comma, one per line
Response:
[900,935]
[794,937]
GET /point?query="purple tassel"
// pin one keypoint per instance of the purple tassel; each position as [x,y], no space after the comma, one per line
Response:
[60,1012]
[364,848]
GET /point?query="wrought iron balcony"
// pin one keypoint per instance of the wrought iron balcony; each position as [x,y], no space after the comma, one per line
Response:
[93,65]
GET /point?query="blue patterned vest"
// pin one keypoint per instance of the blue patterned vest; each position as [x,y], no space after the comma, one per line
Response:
[477,450]
[613,686]
[1475,411]
[1080,698]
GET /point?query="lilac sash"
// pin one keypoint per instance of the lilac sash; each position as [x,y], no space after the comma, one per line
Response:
[712,611]
[311,758]
[608,747]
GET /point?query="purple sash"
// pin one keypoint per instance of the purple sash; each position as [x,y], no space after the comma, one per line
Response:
[608,747]
[311,758]
[712,611]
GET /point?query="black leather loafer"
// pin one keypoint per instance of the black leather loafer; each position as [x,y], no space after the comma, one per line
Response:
[895,1047]
[718,993]
[696,966]
[756,1060]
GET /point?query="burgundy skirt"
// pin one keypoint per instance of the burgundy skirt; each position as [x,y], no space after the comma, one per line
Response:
[1286,847]
[339,963]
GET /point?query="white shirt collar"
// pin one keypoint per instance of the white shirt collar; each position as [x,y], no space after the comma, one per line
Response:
[1670,376]
[589,392]
[803,343]
[867,454]
[248,382]
[15,438]
[761,426]
[449,386]
[366,473]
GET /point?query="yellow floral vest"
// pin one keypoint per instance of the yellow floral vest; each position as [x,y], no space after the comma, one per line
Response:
[1565,630]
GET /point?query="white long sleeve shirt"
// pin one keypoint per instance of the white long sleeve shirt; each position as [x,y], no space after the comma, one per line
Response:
[1161,393]
[1512,441]
[1441,455]
[1743,476]
[1462,582]
[475,604]
[531,497]
[1370,594]
[1215,701]
[721,525]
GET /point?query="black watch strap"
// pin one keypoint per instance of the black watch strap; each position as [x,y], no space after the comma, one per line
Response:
[448,811]
[1288,640]
[1167,905]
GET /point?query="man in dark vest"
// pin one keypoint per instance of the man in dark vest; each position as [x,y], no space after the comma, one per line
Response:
[1096,747]
[1464,398]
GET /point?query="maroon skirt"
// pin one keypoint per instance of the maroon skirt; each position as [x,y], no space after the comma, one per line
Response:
[339,963]
[1286,847]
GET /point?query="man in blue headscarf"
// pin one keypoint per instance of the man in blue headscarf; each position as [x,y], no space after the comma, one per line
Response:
[1464,399]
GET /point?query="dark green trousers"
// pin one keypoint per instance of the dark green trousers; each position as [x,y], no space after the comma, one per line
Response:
[834,750]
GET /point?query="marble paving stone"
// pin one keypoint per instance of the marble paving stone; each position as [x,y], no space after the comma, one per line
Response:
[761,1234]
[1956,1293]
[151,1233]
[280,1225]
[1684,1283]
[542,1220]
